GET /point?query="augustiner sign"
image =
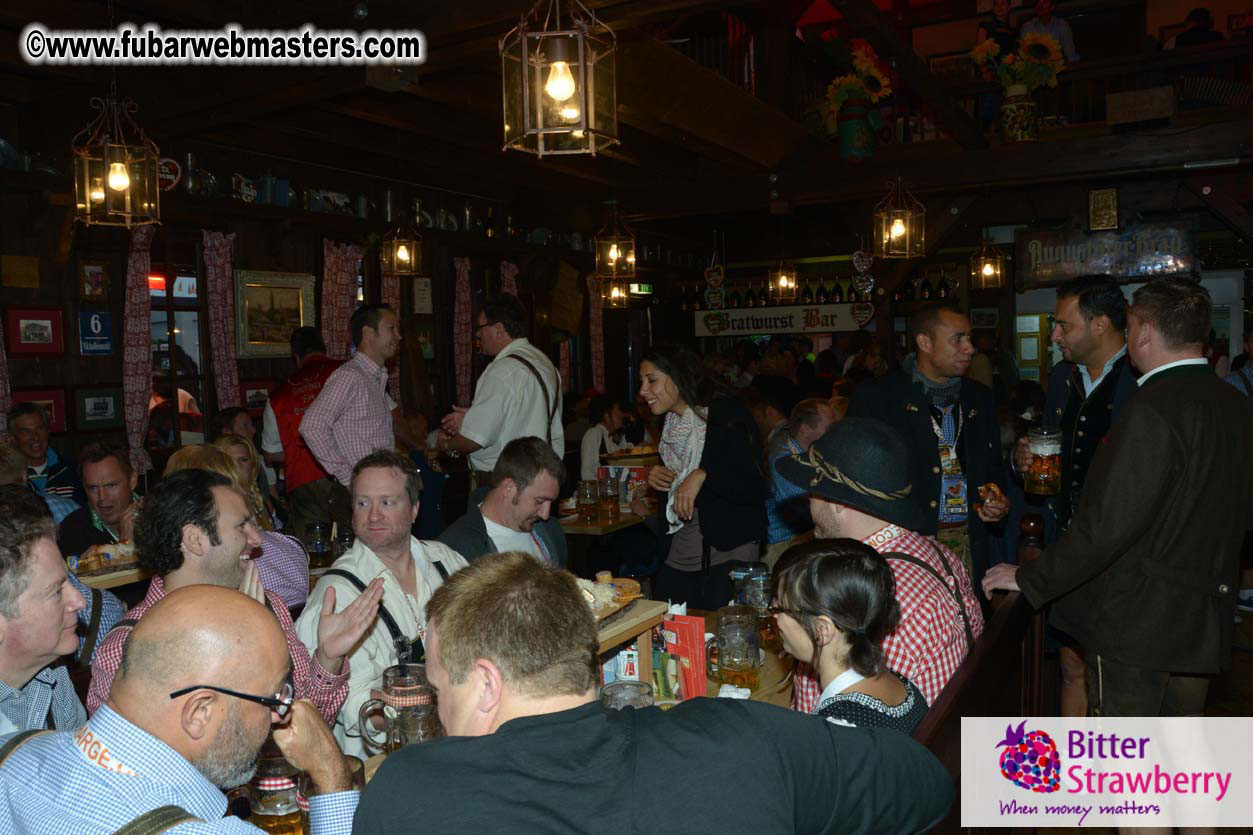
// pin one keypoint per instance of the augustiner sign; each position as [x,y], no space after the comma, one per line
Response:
[813,318]
[1140,251]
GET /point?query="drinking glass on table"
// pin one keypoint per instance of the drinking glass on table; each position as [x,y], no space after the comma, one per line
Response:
[619,694]
[588,496]
[610,499]
[318,543]
[407,707]
[1044,475]
[738,641]
[305,788]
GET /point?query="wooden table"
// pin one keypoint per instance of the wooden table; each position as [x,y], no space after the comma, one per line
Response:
[115,578]
[572,526]
[776,668]
[637,622]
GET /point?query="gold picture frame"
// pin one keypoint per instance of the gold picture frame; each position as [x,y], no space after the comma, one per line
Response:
[268,307]
[1102,209]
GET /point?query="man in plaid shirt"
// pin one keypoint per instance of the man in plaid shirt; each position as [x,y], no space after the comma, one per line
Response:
[857,479]
[195,528]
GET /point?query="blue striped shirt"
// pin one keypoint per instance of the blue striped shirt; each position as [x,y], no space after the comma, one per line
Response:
[787,505]
[111,611]
[49,695]
[110,772]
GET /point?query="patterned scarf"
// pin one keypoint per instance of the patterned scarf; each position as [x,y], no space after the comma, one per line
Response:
[682,444]
[939,395]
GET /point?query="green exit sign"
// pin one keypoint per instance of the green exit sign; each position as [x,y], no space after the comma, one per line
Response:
[641,289]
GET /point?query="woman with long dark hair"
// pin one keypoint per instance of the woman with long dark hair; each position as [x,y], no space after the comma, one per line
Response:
[835,602]
[711,470]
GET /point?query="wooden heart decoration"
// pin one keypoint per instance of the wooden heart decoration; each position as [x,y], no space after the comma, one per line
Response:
[863,312]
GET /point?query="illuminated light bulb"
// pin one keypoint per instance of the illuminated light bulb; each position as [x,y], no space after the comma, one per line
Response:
[577,134]
[402,253]
[615,293]
[560,85]
[613,252]
[570,113]
[988,269]
[97,191]
[898,228]
[631,258]
[119,180]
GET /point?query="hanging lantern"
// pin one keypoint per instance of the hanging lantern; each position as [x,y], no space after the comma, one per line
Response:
[615,247]
[987,268]
[115,168]
[402,252]
[558,82]
[783,283]
[900,223]
[616,293]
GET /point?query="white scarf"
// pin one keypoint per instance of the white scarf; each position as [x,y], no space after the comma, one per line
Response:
[682,444]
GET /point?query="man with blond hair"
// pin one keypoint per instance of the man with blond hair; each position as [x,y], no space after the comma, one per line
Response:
[512,653]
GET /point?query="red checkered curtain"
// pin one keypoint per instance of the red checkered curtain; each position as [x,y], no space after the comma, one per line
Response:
[391,298]
[137,348]
[462,331]
[596,328]
[509,278]
[217,262]
[565,366]
[339,294]
[6,396]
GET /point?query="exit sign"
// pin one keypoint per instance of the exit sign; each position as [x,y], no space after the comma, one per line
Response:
[641,289]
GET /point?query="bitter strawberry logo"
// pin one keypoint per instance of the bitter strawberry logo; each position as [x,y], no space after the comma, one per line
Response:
[1030,759]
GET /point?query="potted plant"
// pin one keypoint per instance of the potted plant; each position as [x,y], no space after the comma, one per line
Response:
[849,112]
[1036,63]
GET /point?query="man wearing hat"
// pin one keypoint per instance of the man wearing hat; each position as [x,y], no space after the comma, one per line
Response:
[857,479]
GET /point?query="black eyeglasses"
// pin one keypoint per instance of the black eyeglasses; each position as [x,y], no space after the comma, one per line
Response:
[280,702]
[776,609]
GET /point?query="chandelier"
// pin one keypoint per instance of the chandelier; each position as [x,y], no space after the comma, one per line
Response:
[987,268]
[615,247]
[402,252]
[115,167]
[557,82]
[899,224]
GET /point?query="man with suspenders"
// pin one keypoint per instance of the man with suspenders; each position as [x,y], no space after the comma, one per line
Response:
[518,394]
[384,489]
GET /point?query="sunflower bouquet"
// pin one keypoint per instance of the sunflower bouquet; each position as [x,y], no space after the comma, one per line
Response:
[1036,63]
[868,81]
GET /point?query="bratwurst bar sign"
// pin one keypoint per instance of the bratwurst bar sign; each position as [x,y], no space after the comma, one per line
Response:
[1146,250]
[821,318]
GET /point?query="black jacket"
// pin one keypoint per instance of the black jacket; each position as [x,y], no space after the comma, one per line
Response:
[468,535]
[900,402]
[732,501]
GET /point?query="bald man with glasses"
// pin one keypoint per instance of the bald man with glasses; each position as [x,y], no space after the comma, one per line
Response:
[205,678]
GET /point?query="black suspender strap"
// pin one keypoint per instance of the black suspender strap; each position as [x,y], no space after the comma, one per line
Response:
[17,741]
[439,566]
[405,650]
[158,820]
[961,606]
[93,631]
[550,404]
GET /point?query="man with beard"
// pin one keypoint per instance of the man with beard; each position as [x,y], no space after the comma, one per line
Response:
[204,679]
[195,528]
[384,506]
[515,514]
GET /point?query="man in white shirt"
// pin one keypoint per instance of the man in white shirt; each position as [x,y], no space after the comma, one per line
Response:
[516,513]
[518,394]
[1044,23]
[385,487]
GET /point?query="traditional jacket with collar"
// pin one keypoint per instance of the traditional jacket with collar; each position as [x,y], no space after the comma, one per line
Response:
[468,535]
[1147,572]
[1084,421]
[898,400]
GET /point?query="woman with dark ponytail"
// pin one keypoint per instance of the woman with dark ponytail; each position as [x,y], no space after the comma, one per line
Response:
[835,602]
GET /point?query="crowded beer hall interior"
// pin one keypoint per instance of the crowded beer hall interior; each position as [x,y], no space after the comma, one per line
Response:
[615,415]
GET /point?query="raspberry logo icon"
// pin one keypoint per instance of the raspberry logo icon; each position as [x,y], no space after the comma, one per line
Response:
[1030,759]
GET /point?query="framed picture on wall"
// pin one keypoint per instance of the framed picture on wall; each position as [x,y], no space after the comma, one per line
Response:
[255,394]
[98,408]
[93,281]
[34,331]
[984,317]
[53,402]
[268,307]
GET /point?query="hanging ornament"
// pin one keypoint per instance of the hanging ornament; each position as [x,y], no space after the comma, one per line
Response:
[863,280]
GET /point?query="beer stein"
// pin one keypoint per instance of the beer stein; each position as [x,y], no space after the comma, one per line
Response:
[738,642]
[318,543]
[588,502]
[272,794]
[619,694]
[407,707]
[1044,474]
[610,500]
[752,587]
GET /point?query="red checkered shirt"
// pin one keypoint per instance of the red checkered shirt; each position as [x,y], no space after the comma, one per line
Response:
[326,691]
[351,417]
[930,643]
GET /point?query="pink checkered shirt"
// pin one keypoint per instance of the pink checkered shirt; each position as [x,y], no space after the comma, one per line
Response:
[284,567]
[930,643]
[351,417]
[326,691]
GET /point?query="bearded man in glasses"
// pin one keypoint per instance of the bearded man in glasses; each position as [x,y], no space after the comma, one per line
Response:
[205,678]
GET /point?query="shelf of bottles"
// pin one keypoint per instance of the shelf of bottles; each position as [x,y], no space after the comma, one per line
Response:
[757,294]
[926,287]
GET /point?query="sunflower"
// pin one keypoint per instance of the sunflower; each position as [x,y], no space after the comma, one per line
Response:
[985,52]
[876,83]
[863,60]
[1042,49]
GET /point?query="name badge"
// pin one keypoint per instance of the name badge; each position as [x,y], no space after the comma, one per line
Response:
[954,492]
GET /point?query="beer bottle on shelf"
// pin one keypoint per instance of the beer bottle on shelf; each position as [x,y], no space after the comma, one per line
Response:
[837,295]
[807,295]
[733,298]
[763,297]
[683,294]
[697,299]
[924,292]
[821,296]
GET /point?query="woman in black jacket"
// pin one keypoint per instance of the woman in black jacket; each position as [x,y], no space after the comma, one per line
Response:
[711,468]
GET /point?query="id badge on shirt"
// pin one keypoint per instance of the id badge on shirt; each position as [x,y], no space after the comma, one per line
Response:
[949,465]
[953,488]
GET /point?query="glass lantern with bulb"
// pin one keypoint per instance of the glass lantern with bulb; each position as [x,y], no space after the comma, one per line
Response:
[987,268]
[900,223]
[401,252]
[558,77]
[115,168]
[616,293]
[615,247]
[784,286]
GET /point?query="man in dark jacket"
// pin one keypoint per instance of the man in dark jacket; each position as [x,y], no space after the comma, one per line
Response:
[1145,577]
[515,514]
[949,426]
[46,472]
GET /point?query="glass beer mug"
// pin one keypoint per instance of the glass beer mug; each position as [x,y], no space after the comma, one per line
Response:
[1044,474]
[272,794]
[407,707]
[738,641]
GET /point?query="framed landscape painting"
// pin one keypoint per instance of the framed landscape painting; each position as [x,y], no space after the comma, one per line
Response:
[268,307]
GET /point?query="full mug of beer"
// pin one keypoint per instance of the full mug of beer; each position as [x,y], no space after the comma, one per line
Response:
[1044,474]
[407,709]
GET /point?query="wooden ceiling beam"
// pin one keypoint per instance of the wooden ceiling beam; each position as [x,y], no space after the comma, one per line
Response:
[865,17]
[1223,199]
